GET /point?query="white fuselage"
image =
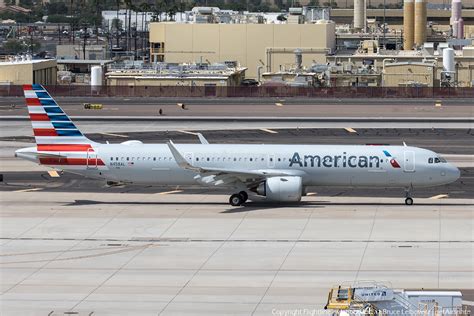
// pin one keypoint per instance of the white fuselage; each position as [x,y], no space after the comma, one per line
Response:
[318,165]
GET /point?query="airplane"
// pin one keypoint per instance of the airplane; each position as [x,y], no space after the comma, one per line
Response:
[278,173]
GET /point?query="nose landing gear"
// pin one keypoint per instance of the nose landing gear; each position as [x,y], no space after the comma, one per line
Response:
[238,199]
[408,198]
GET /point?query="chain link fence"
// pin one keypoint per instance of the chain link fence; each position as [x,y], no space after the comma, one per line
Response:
[246,92]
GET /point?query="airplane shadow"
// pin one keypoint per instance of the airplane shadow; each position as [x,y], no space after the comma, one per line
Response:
[91,202]
[261,206]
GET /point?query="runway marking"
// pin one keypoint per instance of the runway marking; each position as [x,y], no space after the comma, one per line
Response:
[438,103]
[187,132]
[170,192]
[439,196]
[269,131]
[279,104]
[116,135]
[29,190]
[53,174]
[350,130]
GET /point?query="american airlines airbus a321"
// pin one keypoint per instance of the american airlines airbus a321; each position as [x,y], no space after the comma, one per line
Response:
[273,172]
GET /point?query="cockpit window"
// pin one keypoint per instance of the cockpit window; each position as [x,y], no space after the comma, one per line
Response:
[442,160]
[436,160]
[430,160]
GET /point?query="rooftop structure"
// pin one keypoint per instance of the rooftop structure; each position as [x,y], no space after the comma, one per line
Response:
[24,70]
[173,74]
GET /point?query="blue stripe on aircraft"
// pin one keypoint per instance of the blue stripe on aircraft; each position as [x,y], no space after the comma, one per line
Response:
[68,132]
[37,87]
[66,125]
[47,102]
[56,118]
[43,95]
[53,109]
[387,153]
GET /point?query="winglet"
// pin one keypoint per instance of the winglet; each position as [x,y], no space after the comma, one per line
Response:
[180,160]
[202,139]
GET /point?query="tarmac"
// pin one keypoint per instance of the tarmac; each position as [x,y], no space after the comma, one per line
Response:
[193,254]
[73,245]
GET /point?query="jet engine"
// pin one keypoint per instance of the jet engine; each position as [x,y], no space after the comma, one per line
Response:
[282,189]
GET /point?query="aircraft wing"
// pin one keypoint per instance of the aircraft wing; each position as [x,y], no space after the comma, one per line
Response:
[221,176]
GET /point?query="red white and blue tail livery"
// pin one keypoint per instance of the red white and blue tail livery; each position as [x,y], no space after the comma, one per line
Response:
[273,172]
[58,141]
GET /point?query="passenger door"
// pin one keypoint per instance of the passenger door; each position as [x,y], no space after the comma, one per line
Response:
[409,161]
[91,161]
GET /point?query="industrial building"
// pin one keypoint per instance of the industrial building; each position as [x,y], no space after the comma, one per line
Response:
[180,75]
[258,47]
[24,70]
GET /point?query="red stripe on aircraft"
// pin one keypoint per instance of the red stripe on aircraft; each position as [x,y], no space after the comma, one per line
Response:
[39,117]
[64,147]
[45,132]
[33,102]
[27,87]
[71,161]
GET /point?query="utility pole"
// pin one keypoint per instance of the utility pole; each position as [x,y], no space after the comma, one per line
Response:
[384,9]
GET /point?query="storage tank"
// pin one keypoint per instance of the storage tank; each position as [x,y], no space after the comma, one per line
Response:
[420,22]
[456,8]
[460,32]
[455,29]
[448,60]
[359,15]
[408,27]
[96,76]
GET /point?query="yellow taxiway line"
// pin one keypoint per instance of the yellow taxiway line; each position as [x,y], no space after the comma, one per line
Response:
[439,196]
[53,174]
[187,132]
[116,135]
[28,190]
[350,130]
[170,192]
[269,131]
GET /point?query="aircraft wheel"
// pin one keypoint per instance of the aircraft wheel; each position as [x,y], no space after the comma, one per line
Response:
[236,199]
[409,201]
[244,195]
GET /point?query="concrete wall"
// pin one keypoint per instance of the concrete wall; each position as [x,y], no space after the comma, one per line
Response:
[245,43]
[395,75]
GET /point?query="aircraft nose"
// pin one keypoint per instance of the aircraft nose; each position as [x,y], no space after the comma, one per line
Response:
[455,173]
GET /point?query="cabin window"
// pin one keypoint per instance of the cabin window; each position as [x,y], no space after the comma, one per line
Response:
[154,158]
[208,159]
[271,159]
[251,159]
[111,158]
[235,159]
[279,159]
[197,158]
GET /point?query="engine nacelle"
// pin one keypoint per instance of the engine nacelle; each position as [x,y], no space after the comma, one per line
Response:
[283,189]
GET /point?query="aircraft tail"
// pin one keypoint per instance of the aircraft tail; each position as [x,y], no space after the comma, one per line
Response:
[58,140]
[53,129]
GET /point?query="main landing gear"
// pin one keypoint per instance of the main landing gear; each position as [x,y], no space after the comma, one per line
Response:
[408,198]
[238,199]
